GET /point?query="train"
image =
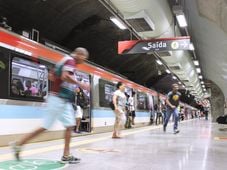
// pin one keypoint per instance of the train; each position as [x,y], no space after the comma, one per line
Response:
[24,67]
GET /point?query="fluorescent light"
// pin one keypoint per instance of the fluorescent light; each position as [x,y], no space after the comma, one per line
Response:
[181,20]
[200,77]
[196,62]
[167,71]
[174,77]
[198,70]
[146,48]
[159,62]
[117,22]
[191,73]
[191,47]
[42,66]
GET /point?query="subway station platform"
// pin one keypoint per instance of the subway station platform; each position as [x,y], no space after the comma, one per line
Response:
[200,145]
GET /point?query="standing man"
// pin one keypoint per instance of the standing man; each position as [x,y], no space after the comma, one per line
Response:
[59,102]
[132,107]
[206,111]
[172,102]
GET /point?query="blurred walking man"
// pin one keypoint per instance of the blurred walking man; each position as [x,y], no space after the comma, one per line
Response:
[59,102]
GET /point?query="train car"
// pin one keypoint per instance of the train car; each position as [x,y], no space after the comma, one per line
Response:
[24,66]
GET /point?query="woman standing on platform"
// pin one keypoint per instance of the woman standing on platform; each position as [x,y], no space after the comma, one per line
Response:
[119,101]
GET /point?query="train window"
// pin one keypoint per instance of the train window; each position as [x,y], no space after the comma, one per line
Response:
[106,90]
[29,80]
[128,91]
[142,103]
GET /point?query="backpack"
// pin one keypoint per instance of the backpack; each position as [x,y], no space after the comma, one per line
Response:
[82,100]
[222,119]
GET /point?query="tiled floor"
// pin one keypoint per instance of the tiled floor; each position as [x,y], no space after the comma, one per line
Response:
[200,145]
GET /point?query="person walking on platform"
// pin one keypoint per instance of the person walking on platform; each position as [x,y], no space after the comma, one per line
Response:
[159,114]
[59,102]
[172,102]
[119,101]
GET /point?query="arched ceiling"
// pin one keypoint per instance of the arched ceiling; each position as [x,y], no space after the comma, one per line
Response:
[86,23]
[208,27]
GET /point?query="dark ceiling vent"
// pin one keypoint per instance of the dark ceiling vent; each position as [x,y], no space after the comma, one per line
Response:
[185,81]
[175,67]
[165,53]
[140,24]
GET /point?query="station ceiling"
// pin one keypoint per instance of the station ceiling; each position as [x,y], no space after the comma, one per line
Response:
[73,23]
[208,28]
[86,23]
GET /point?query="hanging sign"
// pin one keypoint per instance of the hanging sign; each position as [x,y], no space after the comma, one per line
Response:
[145,46]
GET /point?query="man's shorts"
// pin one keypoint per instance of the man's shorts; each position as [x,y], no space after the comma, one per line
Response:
[79,112]
[58,109]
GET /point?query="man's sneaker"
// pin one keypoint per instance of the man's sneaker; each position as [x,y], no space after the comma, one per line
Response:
[70,159]
[176,131]
[16,150]
[164,128]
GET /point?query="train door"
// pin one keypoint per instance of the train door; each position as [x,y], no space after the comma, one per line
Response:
[84,112]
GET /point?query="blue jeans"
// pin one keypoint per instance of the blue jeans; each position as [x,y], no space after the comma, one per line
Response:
[175,113]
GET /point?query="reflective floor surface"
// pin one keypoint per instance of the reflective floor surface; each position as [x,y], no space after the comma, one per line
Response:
[200,145]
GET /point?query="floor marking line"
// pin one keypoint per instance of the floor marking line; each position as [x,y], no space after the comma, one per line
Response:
[45,149]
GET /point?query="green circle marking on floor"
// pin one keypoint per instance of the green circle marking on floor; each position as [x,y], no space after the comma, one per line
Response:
[32,164]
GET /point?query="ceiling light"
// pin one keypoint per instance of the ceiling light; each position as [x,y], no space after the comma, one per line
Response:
[179,82]
[196,62]
[117,22]
[200,77]
[146,48]
[191,73]
[167,71]
[203,86]
[191,47]
[202,82]
[198,70]
[174,77]
[181,20]
[42,66]
[159,62]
